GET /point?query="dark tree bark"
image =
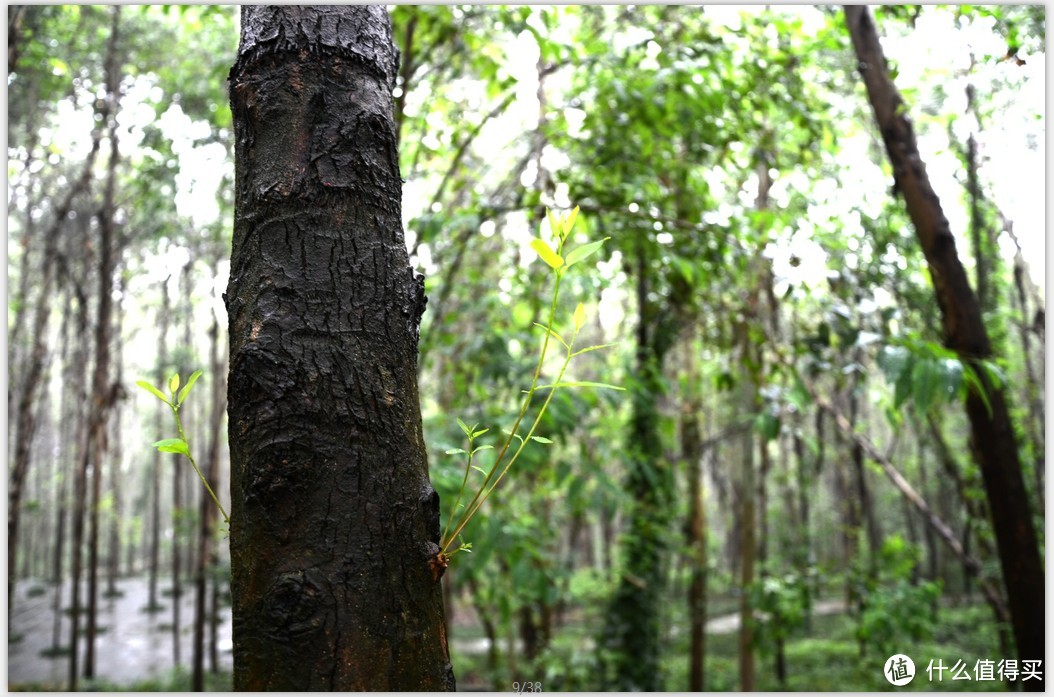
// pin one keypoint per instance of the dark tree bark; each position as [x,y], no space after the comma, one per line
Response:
[993,440]
[333,520]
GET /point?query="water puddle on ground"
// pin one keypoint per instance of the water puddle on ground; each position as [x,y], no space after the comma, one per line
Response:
[132,644]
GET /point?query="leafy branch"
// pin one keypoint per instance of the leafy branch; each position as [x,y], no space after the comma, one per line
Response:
[559,263]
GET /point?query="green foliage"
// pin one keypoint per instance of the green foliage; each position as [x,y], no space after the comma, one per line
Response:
[783,602]
[894,610]
[929,374]
[560,229]
[179,445]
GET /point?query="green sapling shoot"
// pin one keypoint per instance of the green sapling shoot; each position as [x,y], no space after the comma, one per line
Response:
[180,445]
[460,516]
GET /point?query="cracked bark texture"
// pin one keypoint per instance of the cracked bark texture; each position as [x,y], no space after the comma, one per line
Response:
[333,518]
[992,432]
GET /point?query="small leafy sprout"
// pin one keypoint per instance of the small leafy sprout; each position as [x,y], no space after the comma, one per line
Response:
[180,445]
[559,261]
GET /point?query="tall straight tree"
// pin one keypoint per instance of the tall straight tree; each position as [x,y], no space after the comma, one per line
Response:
[333,520]
[992,437]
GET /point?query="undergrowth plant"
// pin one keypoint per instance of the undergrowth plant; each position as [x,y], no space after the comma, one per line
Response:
[180,445]
[559,262]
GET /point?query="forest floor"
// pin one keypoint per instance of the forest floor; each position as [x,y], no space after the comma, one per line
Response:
[135,649]
[133,645]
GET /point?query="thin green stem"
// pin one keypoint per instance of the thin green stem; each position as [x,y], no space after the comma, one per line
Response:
[182,436]
[461,492]
[475,503]
[530,432]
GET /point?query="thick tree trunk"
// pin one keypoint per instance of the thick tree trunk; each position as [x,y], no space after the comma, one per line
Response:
[993,438]
[333,520]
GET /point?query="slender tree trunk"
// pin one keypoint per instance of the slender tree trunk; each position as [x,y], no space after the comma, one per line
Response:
[746,406]
[113,559]
[993,439]
[695,528]
[207,509]
[104,394]
[34,372]
[632,637]
[939,526]
[77,524]
[1033,382]
[334,524]
[153,604]
[863,491]
[178,515]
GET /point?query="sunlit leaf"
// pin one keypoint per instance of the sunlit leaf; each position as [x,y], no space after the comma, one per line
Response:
[186,389]
[592,348]
[579,253]
[152,390]
[583,383]
[552,333]
[546,253]
[569,221]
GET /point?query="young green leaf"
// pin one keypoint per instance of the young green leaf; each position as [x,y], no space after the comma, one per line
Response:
[546,253]
[580,317]
[186,389]
[482,447]
[466,429]
[514,435]
[553,334]
[173,383]
[555,225]
[480,470]
[455,451]
[173,445]
[584,383]
[541,439]
[592,348]
[152,390]
[477,434]
[569,221]
[579,253]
